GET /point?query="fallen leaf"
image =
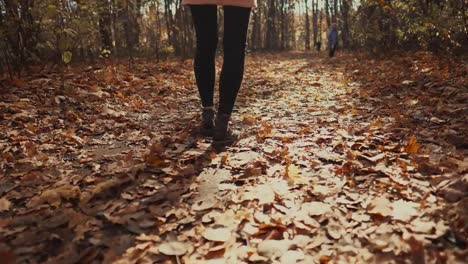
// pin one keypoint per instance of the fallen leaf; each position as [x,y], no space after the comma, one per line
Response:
[262,192]
[374,159]
[4,205]
[359,217]
[335,230]
[292,256]
[104,187]
[380,206]
[404,211]
[174,248]
[273,248]
[243,158]
[293,175]
[219,234]
[420,226]
[316,208]
[55,196]
[249,120]
[412,146]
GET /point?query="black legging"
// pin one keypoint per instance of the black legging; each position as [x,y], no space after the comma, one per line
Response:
[236,22]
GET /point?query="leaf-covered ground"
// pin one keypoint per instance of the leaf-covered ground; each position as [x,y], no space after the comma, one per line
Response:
[343,160]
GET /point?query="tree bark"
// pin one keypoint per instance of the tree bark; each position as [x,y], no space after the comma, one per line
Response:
[307,26]
[335,11]
[327,12]
[255,35]
[346,5]
[105,21]
[271,34]
[283,25]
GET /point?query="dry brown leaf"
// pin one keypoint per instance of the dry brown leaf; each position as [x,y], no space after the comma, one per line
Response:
[155,161]
[374,159]
[262,192]
[218,234]
[376,123]
[250,229]
[4,205]
[292,256]
[273,248]
[262,218]
[404,211]
[360,217]
[279,186]
[380,206]
[317,241]
[249,120]
[55,196]
[103,187]
[420,226]
[328,155]
[215,254]
[336,231]
[412,146]
[243,158]
[316,208]
[205,204]
[174,248]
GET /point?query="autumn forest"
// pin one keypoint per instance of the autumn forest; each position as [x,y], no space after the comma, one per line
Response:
[351,141]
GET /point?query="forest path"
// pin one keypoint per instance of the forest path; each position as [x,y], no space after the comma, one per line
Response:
[116,172]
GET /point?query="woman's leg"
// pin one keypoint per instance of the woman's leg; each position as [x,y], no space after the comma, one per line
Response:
[236,22]
[206,28]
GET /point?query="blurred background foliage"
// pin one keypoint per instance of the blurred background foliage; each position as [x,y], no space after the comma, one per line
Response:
[64,31]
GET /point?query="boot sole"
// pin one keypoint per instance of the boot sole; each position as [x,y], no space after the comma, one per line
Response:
[222,144]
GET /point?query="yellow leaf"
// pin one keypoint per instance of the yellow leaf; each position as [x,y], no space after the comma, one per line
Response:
[412,146]
[376,124]
[293,174]
[242,214]
[67,57]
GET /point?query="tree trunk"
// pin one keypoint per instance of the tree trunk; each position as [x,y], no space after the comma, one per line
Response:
[117,15]
[346,5]
[22,34]
[307,26]
[290,36]
[327,12]
[136,16]
[105,21]
[127,24]
[255,35]
[283,26]
[335,11]
[320,26]
[271,34]
[169,22]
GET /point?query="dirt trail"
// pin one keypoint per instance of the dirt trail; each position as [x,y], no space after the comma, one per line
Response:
[319,176]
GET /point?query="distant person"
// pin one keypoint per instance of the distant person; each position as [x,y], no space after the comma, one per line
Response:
[332,36]
[236,22]
[318,45]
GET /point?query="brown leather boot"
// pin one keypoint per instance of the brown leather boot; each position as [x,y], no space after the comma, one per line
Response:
[223,136]
[207,123]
